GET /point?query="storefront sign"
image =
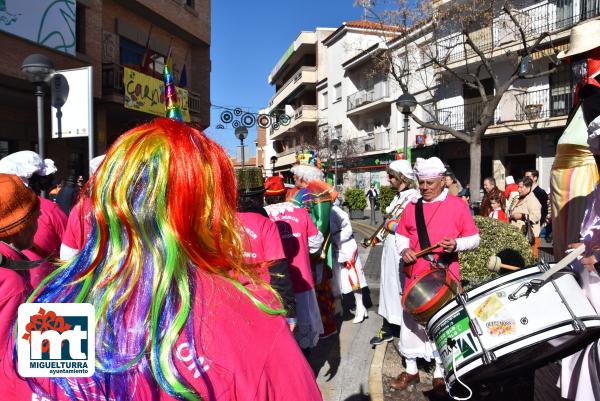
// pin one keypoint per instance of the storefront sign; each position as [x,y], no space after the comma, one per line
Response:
[74,116]
[147,94]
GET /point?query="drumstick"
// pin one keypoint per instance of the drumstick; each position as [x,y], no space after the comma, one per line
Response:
[426,250]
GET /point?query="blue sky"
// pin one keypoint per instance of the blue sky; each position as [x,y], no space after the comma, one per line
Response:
[248,38]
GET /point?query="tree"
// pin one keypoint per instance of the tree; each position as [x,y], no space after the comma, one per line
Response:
[486,46]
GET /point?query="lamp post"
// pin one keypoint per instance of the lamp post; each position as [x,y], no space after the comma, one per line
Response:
[39,69]
[241,133]
[273,161]
[406,104]
[334,144]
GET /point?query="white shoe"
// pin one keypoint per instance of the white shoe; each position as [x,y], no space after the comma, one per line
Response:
[361,314]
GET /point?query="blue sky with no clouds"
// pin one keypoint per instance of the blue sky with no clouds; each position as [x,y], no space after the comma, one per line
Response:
[248,38]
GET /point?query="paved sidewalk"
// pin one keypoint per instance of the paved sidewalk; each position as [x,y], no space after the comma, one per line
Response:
[341,362]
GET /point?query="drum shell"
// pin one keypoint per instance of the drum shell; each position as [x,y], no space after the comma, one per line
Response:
[434,300]
[521,334]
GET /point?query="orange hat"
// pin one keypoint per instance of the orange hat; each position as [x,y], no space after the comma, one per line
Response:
[18,205]
[274,186]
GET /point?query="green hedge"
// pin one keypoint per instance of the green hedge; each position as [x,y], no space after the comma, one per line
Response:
[386,194]
[355,199]
[497,238]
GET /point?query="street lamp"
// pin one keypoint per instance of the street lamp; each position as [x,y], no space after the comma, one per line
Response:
[273,161]
[241,133]
[335,144]
[406,104]
[39,69]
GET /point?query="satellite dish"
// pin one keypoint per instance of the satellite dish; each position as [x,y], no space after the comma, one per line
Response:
[60,90]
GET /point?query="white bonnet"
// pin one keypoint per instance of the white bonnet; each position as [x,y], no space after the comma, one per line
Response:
[25,164]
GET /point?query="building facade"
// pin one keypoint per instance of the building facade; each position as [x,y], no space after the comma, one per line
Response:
[109,36]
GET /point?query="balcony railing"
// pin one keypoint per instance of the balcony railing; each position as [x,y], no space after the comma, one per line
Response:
[461,117]
[374,140]
[537,19]
[300,111]
[366,96]
[542,103]
[112,84]
[295,78]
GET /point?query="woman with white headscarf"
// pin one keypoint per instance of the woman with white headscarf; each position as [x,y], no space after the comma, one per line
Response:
[402,178]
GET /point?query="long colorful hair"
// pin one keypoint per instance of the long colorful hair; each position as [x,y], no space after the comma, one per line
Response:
[164,203]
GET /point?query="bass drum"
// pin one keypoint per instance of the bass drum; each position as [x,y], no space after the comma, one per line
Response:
[520,334]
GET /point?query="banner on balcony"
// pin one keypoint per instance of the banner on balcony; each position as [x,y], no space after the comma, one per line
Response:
[147,94]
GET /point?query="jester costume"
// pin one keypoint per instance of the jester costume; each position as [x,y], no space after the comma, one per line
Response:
[574,172]
[317,198]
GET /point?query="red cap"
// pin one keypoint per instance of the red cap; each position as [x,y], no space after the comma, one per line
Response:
[274,186]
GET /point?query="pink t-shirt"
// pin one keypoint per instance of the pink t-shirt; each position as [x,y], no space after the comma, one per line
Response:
[14,289]
[79,225]
[261,239]
[51,226]
[448,218]
[295,227]
[244,355]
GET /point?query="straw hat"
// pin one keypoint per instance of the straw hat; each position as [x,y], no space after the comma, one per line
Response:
[18,205]
[584,37]
[250,181]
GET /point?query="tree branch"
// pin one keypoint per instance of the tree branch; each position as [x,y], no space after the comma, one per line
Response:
[482,57]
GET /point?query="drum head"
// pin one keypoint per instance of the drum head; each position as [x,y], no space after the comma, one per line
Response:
[428,293]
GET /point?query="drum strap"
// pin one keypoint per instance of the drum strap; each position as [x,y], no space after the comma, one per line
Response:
[421,227]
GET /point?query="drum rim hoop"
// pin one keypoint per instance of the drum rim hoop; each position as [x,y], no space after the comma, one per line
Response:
[438,295]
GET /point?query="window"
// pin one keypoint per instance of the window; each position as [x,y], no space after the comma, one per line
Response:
[338,92]
[337,131]
[132,55]
[324,101]
[79,28]
[561,91]
[190,3]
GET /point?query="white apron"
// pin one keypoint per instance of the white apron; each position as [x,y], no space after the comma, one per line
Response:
[390,291]
[345,249]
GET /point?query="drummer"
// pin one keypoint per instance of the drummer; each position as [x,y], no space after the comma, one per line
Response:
[447,223]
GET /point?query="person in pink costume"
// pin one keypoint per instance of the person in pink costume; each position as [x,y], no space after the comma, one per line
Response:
[38,175]
[19,212]
[449,225]
[261,240]
[79,222]
[300,238]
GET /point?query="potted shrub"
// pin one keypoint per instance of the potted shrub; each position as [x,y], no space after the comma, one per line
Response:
[356,201]
[497,239]
[386,194]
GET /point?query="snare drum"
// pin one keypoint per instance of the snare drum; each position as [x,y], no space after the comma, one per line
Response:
[519,334]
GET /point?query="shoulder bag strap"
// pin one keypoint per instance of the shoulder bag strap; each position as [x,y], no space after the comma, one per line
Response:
[421,227]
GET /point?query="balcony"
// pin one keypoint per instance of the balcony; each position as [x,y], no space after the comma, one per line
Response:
[304,76]
[368,99]
[303,115]
[542,104]
[286,157]
[535,20]
[374,141]
[112,87]
[462,117]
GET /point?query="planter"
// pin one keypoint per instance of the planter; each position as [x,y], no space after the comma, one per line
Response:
[533,111]
[356,214]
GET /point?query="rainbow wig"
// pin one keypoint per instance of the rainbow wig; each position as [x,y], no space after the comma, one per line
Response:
[164,203]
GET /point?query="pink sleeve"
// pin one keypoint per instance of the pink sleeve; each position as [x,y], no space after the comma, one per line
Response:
[401,229]
[286,375]
[72,237]
[59,219]
[272,247]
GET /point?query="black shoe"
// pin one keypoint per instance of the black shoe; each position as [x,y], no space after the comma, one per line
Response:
[381,337]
